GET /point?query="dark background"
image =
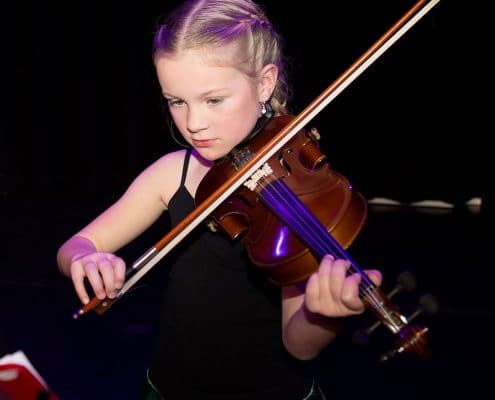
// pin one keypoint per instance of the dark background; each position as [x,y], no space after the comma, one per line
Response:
[81,117]
[86,115]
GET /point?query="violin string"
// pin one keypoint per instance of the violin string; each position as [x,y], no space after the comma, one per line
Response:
[286,196]
[300,225]
[367,287]
[280,193]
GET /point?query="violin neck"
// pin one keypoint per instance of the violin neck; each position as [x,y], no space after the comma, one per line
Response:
[280,199]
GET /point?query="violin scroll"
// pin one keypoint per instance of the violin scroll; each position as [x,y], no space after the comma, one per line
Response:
[411,339]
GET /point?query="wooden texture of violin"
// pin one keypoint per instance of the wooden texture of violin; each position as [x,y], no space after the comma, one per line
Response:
[283,257]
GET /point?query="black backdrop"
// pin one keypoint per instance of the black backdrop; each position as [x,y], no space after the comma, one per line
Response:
[81,117]
[82,111]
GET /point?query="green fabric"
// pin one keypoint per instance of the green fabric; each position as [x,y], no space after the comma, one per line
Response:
[315,393]
[151,394]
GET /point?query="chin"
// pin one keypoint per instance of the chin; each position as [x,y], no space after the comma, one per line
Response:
[211,154]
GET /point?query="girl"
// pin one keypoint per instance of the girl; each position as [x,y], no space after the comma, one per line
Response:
[226,333]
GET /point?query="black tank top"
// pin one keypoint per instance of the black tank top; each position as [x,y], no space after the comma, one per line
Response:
[220,334]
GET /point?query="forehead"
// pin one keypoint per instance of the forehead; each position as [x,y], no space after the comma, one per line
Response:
[197,71]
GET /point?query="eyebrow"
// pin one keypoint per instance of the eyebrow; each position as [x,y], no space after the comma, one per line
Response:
[205,94]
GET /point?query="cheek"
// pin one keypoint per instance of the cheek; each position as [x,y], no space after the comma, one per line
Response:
[178,118]
[244,117]
[239,127]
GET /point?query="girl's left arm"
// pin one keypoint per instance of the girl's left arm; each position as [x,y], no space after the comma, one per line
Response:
[312,312]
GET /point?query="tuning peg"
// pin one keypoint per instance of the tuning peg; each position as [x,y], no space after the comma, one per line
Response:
[405,281]
[427,304]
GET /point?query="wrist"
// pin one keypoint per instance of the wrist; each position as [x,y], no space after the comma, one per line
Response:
[313,318]
[72,250]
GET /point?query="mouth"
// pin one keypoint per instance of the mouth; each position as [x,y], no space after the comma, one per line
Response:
[203,142]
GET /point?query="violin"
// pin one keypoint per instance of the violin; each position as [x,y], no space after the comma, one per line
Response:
[294,210]
[285,212]
[278,194]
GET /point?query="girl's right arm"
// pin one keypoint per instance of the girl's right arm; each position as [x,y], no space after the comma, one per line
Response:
[89,253]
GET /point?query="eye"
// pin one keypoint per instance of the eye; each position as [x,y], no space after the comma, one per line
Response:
[174,102]
[214,100]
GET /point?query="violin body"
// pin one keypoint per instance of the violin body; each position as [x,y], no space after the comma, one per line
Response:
[328,195]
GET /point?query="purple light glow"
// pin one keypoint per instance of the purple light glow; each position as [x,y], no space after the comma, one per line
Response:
[281,245]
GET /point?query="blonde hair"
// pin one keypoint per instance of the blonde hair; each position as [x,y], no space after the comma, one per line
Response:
[238,23]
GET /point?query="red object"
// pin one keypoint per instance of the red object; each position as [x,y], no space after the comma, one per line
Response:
[18,383]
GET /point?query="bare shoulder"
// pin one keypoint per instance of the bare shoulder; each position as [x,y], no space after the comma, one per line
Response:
[171,161]
[166,172]
[163,174]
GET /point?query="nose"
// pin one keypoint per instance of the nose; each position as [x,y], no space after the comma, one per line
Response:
[196,120]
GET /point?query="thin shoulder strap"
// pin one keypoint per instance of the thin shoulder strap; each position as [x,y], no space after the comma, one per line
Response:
[185,166]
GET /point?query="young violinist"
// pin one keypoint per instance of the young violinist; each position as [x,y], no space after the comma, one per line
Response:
[226,331]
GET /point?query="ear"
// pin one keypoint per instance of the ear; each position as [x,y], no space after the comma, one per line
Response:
[267,81]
